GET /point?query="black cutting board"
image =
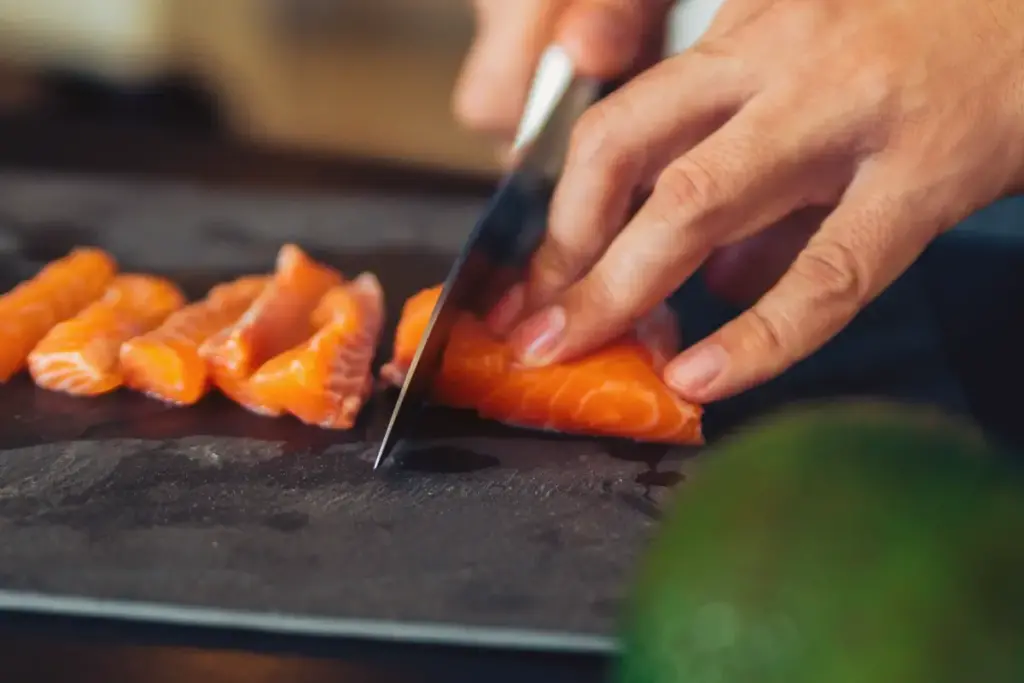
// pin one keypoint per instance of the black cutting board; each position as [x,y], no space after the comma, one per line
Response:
[123,507]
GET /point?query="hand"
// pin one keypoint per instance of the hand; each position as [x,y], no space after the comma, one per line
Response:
[605,38]
[893,120]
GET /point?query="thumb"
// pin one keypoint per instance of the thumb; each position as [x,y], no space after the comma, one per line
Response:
[495,79]
[606,38]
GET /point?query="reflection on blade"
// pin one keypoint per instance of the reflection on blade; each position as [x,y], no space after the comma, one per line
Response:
[494,258]
[501,244]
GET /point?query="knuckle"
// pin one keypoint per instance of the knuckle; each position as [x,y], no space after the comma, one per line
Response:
[601,294]
[553,266]
[683,203]
[714,45]
[875,82]
[802,19]
[593,139]
[770,333]
[688,182]
[834,271]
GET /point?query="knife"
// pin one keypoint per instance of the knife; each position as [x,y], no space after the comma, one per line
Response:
[506,236]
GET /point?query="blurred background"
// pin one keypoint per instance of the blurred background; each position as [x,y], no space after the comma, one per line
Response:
[366,78]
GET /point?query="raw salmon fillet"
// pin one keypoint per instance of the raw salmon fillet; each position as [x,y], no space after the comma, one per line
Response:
[80,356]
[326,380]
[60,290]
[277,320]
[616,391]
[165,363]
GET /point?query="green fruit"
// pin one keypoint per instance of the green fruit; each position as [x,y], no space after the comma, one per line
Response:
[846,544]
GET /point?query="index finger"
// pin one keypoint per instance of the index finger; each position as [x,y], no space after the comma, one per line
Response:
[735,183]
[616,148]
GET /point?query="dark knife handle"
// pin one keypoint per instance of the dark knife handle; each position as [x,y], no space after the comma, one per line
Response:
[606,88]
[515,225]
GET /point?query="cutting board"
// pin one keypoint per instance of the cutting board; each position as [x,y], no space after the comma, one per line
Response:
[123,508]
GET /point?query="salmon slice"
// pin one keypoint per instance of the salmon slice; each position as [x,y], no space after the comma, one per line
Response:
[277,320]
[616,391]
[411,324]
[326,380]
[60,290]
[165,363]
[80,356]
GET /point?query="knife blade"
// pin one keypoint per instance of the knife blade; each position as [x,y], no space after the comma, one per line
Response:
[511,228]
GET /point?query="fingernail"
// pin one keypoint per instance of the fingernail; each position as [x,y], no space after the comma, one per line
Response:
[693,372]
[505,312]
[539,336]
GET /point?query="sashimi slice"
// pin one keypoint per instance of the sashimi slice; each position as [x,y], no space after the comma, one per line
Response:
[165,363]
[277,320]
[80,356]
[616,391]
[411,324]
[60,290]
[326,380]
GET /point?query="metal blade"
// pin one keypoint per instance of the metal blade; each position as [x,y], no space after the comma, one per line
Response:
[503,240]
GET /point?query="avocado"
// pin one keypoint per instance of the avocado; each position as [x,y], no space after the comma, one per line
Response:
[845,543]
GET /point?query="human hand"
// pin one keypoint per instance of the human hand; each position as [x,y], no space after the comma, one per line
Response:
[899,118]
[605,39]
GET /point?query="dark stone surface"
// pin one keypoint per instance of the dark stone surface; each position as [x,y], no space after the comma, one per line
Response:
[121,498]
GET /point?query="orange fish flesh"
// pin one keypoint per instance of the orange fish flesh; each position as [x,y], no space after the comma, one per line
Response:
[60,290]
[165,363]
[616,391]
[277,320]
[80,356]
[326,380]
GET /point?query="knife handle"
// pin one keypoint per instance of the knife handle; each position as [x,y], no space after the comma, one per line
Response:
[606,88]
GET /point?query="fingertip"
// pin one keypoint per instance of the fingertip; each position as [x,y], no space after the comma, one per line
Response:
[537,340]
[604,38]
[694,373]
[480,104]
[490,92]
